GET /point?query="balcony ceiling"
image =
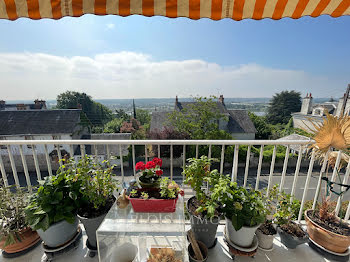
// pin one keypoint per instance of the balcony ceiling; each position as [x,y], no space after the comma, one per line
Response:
[193,9]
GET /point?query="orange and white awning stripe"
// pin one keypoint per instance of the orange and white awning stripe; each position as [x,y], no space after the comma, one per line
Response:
[193,9]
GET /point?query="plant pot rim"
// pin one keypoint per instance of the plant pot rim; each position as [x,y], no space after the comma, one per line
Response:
[215,216]
[267,234]
[307,218]
[295,237]
[244,226]
[102,214]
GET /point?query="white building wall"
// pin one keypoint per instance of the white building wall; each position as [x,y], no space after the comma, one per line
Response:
[28,152]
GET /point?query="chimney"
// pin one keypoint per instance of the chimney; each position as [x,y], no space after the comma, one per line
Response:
[40,104]
[221,99]
[306,106]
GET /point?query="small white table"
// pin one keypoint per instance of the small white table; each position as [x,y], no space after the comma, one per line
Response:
[124,231]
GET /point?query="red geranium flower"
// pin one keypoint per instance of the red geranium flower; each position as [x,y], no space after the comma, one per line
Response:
[158,161]
[159,172]
[150,165]
[140,166]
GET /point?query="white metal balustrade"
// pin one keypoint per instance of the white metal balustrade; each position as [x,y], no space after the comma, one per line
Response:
[8,147]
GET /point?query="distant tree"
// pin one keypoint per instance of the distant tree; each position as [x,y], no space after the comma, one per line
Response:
[120,113]
[97,113]
[135,128]
[199,120]
[167,133]
[282,105]
[143,116]
[263,129]
[114,125]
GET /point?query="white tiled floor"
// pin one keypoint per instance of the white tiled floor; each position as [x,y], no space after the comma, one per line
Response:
[217,254]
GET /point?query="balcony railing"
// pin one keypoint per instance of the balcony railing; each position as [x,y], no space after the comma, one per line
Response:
[20,160]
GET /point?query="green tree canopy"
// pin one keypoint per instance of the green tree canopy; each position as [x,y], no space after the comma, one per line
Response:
[282,105]
[143,116]
[114,125]
[200,120]
[97,113]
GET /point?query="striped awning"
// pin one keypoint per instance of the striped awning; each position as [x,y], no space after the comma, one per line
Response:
[193,9]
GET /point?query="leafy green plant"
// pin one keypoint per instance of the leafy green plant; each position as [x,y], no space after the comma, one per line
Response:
[286,207]
[56,200]
[243,206]
[198,172]
[144,195]
[12,216]
[133,193]
[168,189]
[95,181]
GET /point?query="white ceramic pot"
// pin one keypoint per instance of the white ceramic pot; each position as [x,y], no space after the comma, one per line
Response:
[243,237]
[265,241]
[124,253]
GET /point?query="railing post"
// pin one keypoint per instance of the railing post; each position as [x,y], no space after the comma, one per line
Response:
[297,170]
[133,159]
[13,166]
[272,169]
[222,160]
[121,163]
[246,172]
[171,162]
[235,164]
[284,171]
[307,182]
[3,172]
[25,168]
[345,181]
[261,155]
[323,169]
[48,162]
[36,163]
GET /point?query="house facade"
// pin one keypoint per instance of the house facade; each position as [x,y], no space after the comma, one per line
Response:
[311,112]
[39,125]
[236,122]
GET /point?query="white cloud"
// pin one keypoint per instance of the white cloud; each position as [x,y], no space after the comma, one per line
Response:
[137,75]
[110,26]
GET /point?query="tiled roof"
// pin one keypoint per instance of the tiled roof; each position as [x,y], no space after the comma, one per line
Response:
[30,122]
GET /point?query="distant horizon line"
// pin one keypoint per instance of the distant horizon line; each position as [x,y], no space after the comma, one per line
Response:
[17,100]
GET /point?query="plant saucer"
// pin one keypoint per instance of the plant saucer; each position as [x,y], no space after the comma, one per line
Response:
[253,247]
[266,250]
[347,253]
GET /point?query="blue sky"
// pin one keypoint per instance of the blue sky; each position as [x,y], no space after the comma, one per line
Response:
[245,59]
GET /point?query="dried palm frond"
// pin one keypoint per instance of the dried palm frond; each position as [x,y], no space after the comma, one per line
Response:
[332,133]
[332,158]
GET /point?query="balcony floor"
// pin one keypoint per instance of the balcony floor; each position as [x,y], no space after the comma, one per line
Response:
[217,254]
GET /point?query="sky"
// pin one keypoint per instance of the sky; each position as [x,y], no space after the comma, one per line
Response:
[142,57]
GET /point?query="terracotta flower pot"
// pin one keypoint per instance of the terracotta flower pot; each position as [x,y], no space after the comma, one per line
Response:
[29,238]
[329,240]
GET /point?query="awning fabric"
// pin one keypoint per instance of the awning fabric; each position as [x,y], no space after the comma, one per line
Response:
[193,9]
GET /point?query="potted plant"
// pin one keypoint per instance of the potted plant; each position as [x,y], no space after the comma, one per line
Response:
[244,211]
[331,137]
[267,231]
[15,234]
[149,173]
[326,229]
[52,209]
[203,209]
[156,200]
[287,209]
[96,187]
